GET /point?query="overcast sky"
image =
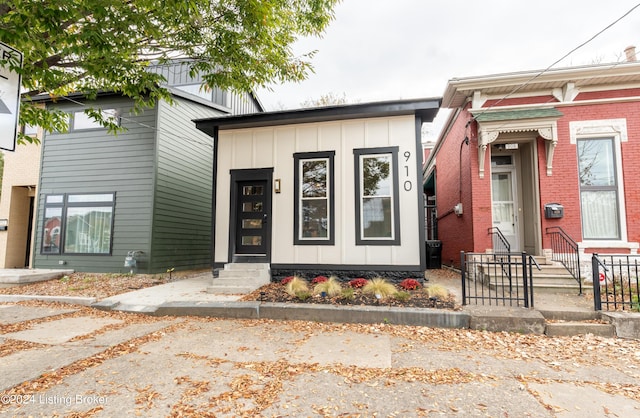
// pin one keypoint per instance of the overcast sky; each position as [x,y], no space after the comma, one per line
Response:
[401,49]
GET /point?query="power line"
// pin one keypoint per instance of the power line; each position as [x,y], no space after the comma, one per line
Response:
[521,86]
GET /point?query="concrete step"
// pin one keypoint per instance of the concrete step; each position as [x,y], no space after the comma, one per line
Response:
[231,289]
[247,266]
[565,329]
[235,273]
[240,278]
[245,281]
[571,314]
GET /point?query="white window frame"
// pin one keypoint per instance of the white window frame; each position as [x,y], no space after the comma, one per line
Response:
[359,156]
[89,123]
[300,159]
[617,130]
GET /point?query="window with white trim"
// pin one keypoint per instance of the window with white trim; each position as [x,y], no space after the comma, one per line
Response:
[78,224]
[314,205]
[601,185]
[82,121]
[598,189]
[377,204]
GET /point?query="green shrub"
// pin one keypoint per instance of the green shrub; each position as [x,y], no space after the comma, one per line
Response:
[402,296]
[347,293]
[303,295]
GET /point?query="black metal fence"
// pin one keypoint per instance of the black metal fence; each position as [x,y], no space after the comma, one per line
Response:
[497,279]
[616,282]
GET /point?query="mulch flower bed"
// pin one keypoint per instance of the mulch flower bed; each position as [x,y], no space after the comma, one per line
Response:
[418,298]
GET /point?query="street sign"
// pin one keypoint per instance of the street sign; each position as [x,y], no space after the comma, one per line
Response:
[9,96]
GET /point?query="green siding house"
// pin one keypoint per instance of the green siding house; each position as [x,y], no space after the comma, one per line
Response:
[146,191]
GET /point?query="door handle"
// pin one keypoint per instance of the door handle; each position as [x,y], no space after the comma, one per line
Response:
[264,218]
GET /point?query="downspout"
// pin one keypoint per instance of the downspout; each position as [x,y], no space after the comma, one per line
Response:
[214,181]
[421,208]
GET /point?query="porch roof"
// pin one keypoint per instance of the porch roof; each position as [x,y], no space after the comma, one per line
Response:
[504,115]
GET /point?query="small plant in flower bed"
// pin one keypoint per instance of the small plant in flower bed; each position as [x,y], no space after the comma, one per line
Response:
[358,283]
[296,286]
[286,280]
[330,287]
[348,294]
[380,288]
[410,284]
[437,291]
[402,296]
[319,279]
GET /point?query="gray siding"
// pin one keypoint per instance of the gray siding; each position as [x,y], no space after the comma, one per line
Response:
[183,189]
[177,75]
[242,104]
[93,161]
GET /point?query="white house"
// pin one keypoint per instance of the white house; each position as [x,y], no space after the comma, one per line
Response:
[330,190]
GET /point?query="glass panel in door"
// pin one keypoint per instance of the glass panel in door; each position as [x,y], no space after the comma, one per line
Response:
[251,226]
[504,207]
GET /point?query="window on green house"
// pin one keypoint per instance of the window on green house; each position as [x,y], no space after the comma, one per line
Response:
[78,224]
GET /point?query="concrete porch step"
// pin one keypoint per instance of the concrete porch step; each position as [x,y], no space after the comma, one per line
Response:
[570,328]
[236,273]
[244,280]
[240,278]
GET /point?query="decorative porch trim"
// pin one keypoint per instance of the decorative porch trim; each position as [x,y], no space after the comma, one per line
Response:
[492,124]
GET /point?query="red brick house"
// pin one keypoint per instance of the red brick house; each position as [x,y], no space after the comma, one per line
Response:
[528,151]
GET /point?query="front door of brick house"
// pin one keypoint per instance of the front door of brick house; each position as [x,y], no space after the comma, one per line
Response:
[504,196]
[250,228]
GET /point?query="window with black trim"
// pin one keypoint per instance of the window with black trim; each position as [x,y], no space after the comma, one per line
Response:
[377,204]
[78,223]
[314,204]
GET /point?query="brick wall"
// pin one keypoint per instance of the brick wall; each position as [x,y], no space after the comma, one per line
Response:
[455,184]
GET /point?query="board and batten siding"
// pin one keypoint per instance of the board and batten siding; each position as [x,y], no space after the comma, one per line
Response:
[183,188]
[94,161]
[267,147]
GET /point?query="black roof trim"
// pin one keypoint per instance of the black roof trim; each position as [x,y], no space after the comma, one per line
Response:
[425,108]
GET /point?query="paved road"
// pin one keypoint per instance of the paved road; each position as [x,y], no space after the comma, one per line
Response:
[59,361]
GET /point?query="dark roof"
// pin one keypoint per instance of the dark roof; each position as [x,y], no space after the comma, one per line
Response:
[426,109]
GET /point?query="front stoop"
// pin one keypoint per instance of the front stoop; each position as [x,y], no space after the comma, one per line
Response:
[240,278]
[552,278]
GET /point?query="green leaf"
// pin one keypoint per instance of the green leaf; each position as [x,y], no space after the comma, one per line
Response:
[89,46]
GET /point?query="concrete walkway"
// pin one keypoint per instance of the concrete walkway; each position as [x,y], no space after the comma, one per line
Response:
[553,314]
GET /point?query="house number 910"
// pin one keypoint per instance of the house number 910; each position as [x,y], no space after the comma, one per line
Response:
[407,184]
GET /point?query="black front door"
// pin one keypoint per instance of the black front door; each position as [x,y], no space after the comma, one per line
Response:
[251,228]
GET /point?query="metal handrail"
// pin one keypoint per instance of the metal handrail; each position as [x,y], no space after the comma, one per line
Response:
[565,251]
[504,246]
[532,261]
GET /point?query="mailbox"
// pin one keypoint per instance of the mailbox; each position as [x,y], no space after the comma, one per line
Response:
[553,211]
